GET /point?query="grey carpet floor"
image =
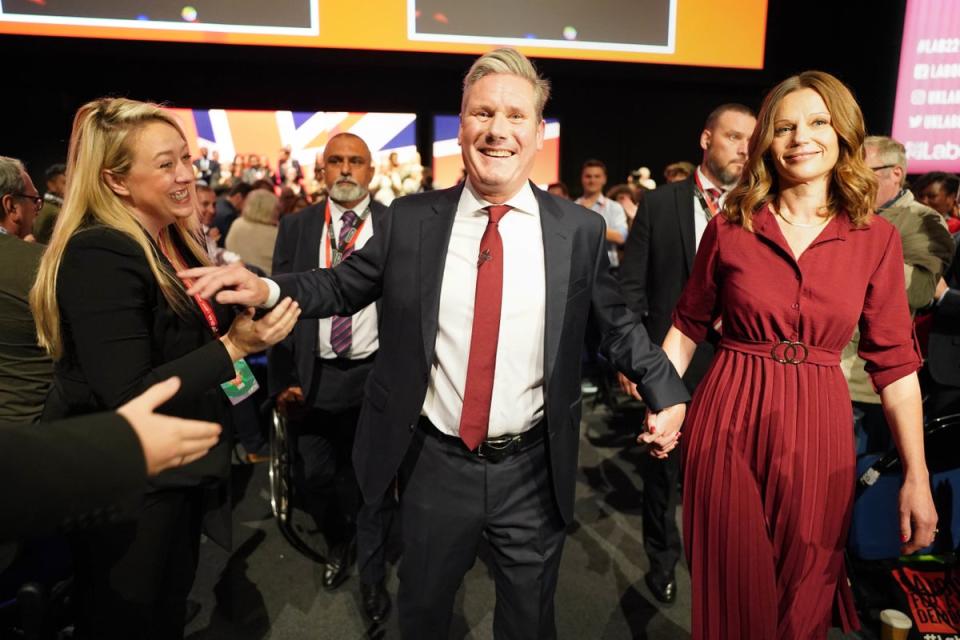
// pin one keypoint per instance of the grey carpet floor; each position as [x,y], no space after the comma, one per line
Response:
[266,590]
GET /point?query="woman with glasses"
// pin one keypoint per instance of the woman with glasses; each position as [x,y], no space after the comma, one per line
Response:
[116,318]
[796,261]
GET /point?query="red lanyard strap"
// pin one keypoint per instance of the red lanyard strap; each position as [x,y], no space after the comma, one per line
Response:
[332,247]
[173,256]
[709,207]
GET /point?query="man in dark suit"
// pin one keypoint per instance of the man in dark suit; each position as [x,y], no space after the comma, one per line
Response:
[207,169]
[657,262]
[943,352]
[89,471]
[318,372]
[474,398]
[25,369]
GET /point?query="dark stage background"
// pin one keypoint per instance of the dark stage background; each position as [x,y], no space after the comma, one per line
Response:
[626,114]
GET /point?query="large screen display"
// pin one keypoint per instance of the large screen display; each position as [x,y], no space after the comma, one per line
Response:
[448,163]
[236,133]
[926,116]
[694,32]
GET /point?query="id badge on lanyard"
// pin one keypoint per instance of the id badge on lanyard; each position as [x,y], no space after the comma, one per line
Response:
[244,384]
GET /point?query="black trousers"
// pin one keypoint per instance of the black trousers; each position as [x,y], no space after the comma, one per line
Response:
[449,500]
[132,580]
[324,477]
[661,538]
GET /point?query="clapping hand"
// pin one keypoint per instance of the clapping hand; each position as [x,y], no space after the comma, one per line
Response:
[663,429]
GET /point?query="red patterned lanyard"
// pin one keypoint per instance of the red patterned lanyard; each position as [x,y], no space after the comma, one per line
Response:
[169,249]
[708,205]
[340,251]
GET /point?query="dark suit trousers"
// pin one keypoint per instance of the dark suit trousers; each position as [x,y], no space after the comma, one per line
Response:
[133,579]
[449,500]
[323,474]
[661,538]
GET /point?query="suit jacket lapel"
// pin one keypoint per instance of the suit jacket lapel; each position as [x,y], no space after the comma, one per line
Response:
[557,248]
[435,229]
[312,237]
[685,219]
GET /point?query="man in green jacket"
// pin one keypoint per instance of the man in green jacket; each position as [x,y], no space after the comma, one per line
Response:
[25,369]
[927,251]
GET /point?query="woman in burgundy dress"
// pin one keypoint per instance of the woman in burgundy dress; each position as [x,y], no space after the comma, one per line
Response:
[795,262]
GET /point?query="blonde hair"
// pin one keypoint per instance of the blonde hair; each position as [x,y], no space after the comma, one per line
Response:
[853,186]
[511,62]
[103,139]
[260,207]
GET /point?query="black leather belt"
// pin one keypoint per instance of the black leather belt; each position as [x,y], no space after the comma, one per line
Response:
[492,449]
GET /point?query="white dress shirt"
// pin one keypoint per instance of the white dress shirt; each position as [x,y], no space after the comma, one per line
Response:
[365,341]
[700,217]
[517,402]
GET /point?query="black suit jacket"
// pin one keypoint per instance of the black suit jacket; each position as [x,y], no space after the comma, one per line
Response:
[943,352]
[292,361]
[657,263]
[121,336]
[404,265]
[67,475]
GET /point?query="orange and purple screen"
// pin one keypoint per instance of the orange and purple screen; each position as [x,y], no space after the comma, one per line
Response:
[926,116]
[689,32]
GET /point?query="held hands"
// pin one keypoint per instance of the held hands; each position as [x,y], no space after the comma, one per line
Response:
[663,430]
[918,516]
[167,442]
[244,287]
[247,335]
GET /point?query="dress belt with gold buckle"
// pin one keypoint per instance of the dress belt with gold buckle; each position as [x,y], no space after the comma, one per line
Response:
[784,351]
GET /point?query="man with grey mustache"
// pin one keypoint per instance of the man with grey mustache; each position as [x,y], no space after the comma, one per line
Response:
[318,373]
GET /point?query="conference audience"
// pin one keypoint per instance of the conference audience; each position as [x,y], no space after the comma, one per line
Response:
[116,319]
[55,179]
[254,234]
[941,192]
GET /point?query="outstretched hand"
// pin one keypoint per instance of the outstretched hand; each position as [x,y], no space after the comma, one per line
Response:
[663,429]
[231,284]
[166,441]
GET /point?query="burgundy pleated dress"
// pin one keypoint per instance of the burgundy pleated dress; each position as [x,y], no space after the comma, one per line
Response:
[768,446]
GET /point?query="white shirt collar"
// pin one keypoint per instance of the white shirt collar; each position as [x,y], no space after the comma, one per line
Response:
[523,201]
[337,211]
[707,183]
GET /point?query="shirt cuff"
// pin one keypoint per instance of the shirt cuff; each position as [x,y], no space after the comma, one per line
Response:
[274,296]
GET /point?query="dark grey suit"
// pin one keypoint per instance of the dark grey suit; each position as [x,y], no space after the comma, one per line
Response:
[323,438]
[657,262]
[403,266]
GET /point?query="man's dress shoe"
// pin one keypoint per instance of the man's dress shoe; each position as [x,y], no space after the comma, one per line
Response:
[664,588]
[337,569]
[376,601]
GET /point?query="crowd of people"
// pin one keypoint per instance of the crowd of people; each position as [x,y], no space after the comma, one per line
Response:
[426,353]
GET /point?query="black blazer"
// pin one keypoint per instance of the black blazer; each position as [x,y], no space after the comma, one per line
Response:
[404,264]
[292,361]
[121,336]
[68,475]
[657,262]
[943,352]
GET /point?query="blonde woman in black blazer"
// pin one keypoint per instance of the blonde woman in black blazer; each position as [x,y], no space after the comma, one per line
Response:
[112,312]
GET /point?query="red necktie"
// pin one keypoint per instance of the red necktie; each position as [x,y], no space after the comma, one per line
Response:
[714,196]
[475,418]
